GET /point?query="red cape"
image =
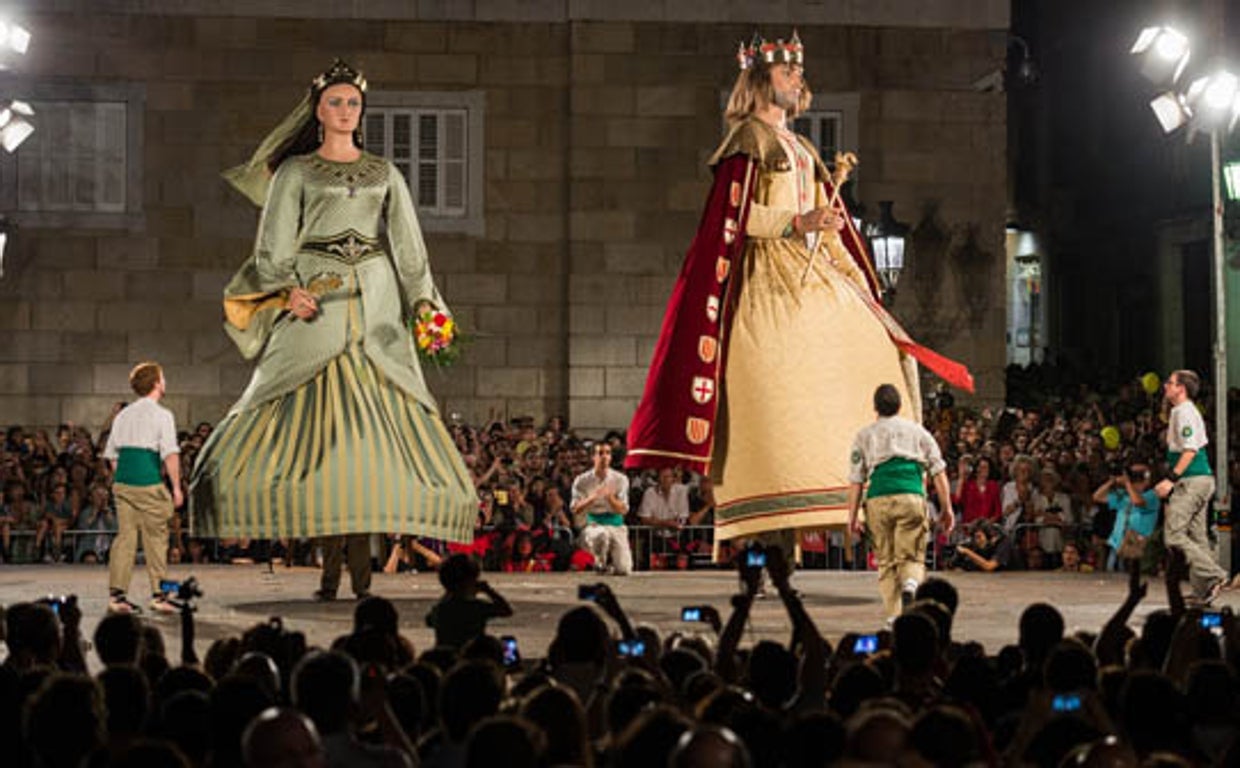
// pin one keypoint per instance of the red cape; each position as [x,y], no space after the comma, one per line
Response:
[674,424]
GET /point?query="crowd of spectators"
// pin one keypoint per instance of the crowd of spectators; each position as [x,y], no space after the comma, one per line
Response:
[608,692]
[1055,480]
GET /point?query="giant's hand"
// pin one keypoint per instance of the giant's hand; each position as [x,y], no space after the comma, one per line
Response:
[302,304]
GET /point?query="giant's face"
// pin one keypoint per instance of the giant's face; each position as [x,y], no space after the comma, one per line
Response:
[340,108]
[787,81]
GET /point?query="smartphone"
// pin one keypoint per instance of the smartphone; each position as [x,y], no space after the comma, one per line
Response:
[864,645]
[169,586]
[512,655]
[631,648]
[1213,621]
[501,497]
[755,558]
[587,592]
[691,613]
[1066,702]
[54,603]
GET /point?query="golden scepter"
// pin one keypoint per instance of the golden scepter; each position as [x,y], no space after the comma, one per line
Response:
[844,164]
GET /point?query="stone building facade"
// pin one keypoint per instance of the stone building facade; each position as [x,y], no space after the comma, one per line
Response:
[589,126]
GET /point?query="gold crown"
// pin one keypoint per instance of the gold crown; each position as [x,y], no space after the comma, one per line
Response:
[340,72]
[777,52]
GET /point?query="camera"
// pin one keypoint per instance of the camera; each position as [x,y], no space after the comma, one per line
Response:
[56,603]
[587,592]
[1213,621]
[631,648]
[183,591]
[864,645]
[755,557]
[1066,702]
[1116,468]
[512,656]
[692,613]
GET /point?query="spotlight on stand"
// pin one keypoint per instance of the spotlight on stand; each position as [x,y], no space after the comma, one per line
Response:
[1214,100]
[1163,52]
[887,237]
[15,127]
[1172,110]
[14,37]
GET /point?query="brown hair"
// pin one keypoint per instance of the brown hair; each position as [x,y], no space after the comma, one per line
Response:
[753,90]
[1190,381]
[144,377]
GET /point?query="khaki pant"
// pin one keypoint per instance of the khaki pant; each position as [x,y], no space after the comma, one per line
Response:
[334,547]
[141,511]
[898,525]
[610,546]
[1185,527]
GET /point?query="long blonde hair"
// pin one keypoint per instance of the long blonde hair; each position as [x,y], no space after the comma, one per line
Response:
[753,90]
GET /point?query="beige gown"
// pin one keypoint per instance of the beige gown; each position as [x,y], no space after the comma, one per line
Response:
[804,358]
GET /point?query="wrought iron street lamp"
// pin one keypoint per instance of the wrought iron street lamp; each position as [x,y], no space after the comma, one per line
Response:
[887,240]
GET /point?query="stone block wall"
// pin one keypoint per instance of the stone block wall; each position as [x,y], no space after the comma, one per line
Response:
[597,128]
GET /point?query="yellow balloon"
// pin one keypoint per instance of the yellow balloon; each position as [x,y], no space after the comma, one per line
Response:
[1110,438]
[1150,383]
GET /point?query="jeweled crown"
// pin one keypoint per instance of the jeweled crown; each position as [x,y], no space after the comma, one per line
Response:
[776,52]
[340,72]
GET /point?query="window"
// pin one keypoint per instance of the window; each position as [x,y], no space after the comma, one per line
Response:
[82,166]
[831,124]
[436,141]
[823,129]
[75,161]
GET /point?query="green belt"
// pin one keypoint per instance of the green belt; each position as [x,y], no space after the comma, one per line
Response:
[894,476]
[138,466]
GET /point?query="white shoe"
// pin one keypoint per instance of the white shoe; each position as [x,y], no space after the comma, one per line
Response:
[161,604]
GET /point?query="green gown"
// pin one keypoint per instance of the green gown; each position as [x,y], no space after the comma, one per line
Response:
[336,432]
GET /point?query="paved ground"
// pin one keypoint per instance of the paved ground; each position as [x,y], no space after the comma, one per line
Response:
[239,596]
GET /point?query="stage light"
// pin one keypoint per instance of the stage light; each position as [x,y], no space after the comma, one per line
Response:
[1172,110]
[14,37]
[15,127]
[1164,53]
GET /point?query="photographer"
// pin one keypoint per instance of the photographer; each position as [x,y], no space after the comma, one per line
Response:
[1128,494]
[987,550]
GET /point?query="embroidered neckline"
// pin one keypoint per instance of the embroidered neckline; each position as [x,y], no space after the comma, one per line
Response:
[366,171]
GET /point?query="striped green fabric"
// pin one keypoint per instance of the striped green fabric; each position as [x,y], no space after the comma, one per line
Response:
[347,452]
[802,501]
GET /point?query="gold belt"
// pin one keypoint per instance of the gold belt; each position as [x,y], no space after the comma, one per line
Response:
[350,247]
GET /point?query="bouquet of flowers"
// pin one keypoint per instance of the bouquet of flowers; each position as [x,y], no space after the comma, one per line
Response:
[437,337]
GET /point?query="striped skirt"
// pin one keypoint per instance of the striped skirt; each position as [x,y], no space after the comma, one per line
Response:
[347,452]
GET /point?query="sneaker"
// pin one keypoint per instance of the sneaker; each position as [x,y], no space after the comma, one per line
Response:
[908,594]
[323,596]
[161,604]
[123,605]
